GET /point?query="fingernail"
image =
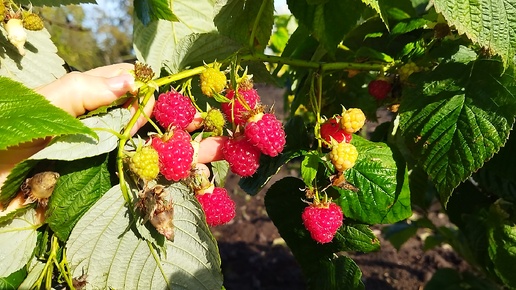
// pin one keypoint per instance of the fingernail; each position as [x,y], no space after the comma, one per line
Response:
[121,82]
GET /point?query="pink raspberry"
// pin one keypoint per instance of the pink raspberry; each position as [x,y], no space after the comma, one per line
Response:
[322,221]
[266,132]
[175,154]
[331,129]
[242,156]
[236,111]
[173,109]
[217,205]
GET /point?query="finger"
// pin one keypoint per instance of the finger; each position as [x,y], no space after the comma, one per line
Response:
[113,70]
[196,123]
[77,92]
[211,149]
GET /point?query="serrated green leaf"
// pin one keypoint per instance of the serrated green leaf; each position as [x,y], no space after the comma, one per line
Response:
[156,43]
[220,171]
[379,7]
[409,25]
[237,19]
[197,49]
[78,146]
[17,241]
[26,115]
[451,279]
[14,280]
[491,24]
[502,252]
[81,184]
[268,167]
[6,217]
[320,263]
[383,195]
[309,167]
[357,238]
[456,117]
[328,21]
[150,10]
[15,178]
[101,247]
[40,64]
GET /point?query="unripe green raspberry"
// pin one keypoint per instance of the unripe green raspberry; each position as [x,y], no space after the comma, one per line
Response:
[352,120]
[2,9]
[343,155]
[212,80]
[214,122]
[32,21]
[407,69]
[145,163]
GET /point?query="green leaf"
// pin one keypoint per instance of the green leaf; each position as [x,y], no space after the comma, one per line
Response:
[379,7]
[102,247]
[451,279]
[17,241]
[81,184]
[40,64]
[502,251]
[35,269]
[309,167]
[328,21]
[322,266]
[268,167]
[77,146]
[398,233]
[157,44]
[15,178]
[150,10]
[383,195]
[220,171]
[14,280]
[237,19]
[26,115]
[491,24]
[456,117]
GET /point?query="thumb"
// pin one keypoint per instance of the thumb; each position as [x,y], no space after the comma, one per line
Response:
[77,92]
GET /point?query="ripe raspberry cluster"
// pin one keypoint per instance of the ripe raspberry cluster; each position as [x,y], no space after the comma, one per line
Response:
[337,132]
[257,131]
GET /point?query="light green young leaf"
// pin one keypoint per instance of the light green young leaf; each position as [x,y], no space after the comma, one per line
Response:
[156,42]
[491,24]
[309,167]
[35,269]
[382,183]
[17,241]
[40,65]
[78,146]
[26,115]
[456,117]
[113,256]
[220,171]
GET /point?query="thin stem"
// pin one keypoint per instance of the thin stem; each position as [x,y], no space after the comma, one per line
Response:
[318,112]
[256,23]
[179,76]
[322,66]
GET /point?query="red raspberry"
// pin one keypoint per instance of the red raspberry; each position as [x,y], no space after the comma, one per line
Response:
[331,129]
[322,221]
[175,154]
[379,89]
[236,111]
[217,205]
[242,156]
[173,109]
[266,132]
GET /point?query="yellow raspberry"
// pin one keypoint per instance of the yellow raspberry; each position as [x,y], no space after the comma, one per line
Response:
[352,120]
[145,163]
[212,80]
[343,155]
[32,21]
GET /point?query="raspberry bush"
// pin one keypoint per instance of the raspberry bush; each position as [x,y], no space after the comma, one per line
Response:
[134,212]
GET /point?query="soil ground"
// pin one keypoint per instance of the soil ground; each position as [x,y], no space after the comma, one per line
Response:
[254,256]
